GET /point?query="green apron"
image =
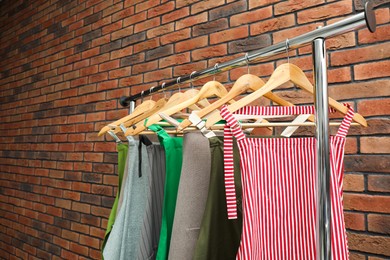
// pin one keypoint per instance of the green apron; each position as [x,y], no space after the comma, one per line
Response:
[122,155]
[173,147]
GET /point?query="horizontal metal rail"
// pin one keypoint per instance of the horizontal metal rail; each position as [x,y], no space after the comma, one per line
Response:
[357,21]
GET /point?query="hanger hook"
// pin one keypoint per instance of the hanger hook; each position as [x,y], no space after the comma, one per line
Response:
[287,49]
[247,61]
[178,83]
[142,96]
[163,88]
[215,69]
[150,92]
[192,86]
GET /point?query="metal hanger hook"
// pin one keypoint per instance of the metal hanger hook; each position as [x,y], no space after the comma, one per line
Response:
[150,92]
[192,86]
[178,83]
[247,61]
[163,88]
[215,70]
[142,96]
[287,49]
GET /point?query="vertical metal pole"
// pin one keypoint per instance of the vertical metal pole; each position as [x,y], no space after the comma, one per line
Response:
[131,107]
[323,164]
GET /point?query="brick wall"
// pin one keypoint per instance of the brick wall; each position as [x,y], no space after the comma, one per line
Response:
[64,64]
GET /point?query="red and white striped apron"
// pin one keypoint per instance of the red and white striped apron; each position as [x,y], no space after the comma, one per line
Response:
[279,189]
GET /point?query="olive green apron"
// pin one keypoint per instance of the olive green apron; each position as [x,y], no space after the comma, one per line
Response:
[122,155]
[219,237]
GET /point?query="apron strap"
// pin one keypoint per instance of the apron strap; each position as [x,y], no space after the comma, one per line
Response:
[346,123]
[161,134]
[142,140]
[232,128]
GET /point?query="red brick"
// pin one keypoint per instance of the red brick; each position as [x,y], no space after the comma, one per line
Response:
[342,74]
[379,183]
[150,23]
[122,33]
[123,14]
[146,45]
[158,75]
[205,5]
[356,55]
[90,53]
[129,81]
[379,223]
[175,15]
[160,30]
[192,20]
[107,85]
[191,44]
[353,182]
[274,24]
[98,77]
[175,36]
[100,58]
[325,12]
[134,19]
[109,65]
[229,35]
[113,9]
[143,67]
[79,249]
[372,203]
[119,73]
[122,52]
[105,147]
[294,5]
[252,16]
[355,221]
[381,34]
[69,235]
[377,88]
[99,211]
[161,9]
[374,107]
[112,27]
[188,68]
[208,52]
[281,36]
[146,5]
[372,70]
[368,243]
[375,144]
[174,60]
[89,241]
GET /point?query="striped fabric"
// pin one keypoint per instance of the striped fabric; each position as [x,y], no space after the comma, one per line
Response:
[279,190]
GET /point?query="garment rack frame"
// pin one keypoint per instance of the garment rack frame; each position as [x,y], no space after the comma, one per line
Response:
[317,38]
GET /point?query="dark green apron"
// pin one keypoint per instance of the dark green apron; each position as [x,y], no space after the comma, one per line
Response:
[219,237]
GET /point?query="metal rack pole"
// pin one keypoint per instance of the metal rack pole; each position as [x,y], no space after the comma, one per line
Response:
[357,21]
[322,147]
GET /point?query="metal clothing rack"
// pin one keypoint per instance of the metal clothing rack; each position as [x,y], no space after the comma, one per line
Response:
[317,39]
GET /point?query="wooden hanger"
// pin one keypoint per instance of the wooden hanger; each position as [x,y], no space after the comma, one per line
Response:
[174,100]
[139,110]
[282,74]
[210,89]
[158,105]
[244,83]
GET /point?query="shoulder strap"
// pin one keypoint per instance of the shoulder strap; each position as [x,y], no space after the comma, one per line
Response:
[346,123]
[162,135]
[232,128]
